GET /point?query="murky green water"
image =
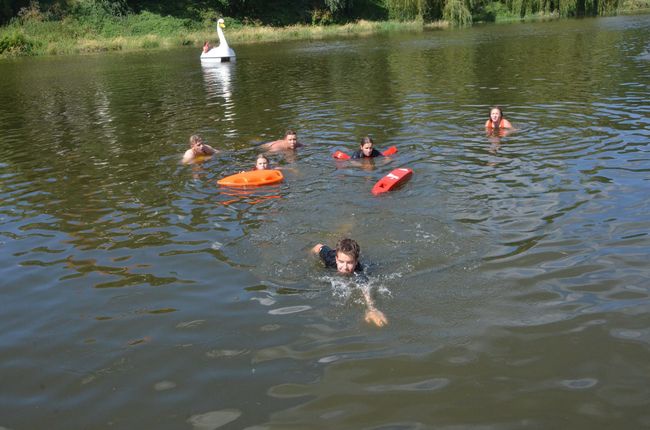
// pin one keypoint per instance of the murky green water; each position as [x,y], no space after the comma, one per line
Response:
[137,293]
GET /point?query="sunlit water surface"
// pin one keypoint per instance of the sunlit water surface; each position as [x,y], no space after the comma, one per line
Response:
[137,293]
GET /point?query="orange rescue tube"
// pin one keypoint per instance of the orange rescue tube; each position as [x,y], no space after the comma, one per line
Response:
[390,151]
[252,179]
[339,155]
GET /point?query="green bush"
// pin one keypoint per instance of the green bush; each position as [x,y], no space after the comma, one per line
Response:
[407,10]
[149,23]
[99,16]
[99,9]
[15,43]
[321,17]
[31,13]
[495,12]
[150,43]
[209,18]
[457,13]
[631,5]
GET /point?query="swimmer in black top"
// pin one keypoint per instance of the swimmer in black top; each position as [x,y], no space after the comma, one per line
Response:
[366,149]
[345,259]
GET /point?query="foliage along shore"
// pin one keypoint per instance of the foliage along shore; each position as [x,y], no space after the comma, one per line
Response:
[19,42]
[98,29]
[54,38]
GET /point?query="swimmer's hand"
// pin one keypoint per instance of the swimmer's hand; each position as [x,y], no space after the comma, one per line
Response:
[376,317]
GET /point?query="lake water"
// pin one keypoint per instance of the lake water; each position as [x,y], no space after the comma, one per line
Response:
[137,293]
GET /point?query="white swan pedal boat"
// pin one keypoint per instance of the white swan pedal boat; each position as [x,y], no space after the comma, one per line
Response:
[219,54]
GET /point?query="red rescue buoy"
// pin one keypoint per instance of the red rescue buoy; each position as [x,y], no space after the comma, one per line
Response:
[392,180]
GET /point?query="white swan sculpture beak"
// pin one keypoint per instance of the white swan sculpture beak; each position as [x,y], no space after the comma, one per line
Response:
[219,54]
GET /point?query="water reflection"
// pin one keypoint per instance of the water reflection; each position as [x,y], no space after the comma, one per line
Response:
[496,139]
[218,84]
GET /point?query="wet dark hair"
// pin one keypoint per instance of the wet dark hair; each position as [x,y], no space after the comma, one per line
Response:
[289,132]
[348,247]
[366,139]
[262,157]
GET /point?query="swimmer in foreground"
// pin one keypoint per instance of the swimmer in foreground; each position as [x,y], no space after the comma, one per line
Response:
[496,121]
[345,259]
[198,150]
[366,149]
[290,142]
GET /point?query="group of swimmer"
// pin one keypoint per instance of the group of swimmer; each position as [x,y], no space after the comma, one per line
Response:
[199,151]
[345,256]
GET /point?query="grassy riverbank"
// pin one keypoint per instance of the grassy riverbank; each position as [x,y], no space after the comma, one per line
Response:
[36,34]
[150,32]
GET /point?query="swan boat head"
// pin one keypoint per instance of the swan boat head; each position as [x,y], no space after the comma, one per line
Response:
[219,54]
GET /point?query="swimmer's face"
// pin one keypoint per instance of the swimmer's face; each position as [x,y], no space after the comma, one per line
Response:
[262,164]
[495,115]
[292,139]
[345,263]
[366,148]
[198,148]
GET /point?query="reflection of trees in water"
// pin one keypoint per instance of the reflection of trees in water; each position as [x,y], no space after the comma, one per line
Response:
[87,154]
[94,133]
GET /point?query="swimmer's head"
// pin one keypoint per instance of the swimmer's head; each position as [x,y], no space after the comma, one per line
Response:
[262,163]
[496,113]
[347,255]
[196,144]
[291,137]
[366,146]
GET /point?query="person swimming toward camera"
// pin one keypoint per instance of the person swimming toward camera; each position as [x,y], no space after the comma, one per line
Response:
[289,143]
[261,163]
[198,150]
[366,149]
[345,259]
[496,121]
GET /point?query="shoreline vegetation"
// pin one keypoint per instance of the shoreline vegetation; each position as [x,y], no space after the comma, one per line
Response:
[98,28]
[241,35]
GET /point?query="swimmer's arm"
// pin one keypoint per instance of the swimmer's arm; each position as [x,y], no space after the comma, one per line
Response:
[385,160]
[373,315]
[188,157]
[213,151]
[269,146]
[316,249]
